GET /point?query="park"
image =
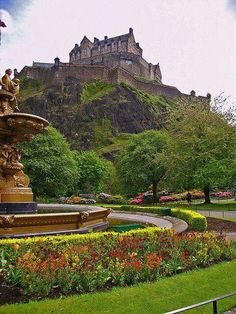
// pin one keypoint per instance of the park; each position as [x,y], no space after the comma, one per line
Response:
[117,191]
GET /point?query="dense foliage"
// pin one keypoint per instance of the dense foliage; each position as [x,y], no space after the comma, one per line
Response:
[50,164]
[201,150]
[93,172]
[86,263]
[139,165]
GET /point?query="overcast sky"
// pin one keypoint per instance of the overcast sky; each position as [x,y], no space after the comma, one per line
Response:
[193,40]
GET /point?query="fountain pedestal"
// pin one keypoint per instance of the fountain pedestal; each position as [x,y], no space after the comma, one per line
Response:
[16,196]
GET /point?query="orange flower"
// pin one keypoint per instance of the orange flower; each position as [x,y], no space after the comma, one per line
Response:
[153,260]
[15,246]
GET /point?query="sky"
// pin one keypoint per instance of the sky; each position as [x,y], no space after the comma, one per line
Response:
[193,40]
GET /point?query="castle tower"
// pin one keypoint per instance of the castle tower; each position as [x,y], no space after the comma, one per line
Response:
[85,48]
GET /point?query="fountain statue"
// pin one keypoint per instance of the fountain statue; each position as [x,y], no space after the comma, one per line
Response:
[15,127]
[17,208]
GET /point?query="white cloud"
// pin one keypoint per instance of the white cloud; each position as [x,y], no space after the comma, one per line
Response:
[8,20]
[194,40]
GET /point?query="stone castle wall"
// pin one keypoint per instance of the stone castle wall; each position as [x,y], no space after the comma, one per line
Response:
[38,73]
[153,88]
[131,62]
[84,73]
[89,73]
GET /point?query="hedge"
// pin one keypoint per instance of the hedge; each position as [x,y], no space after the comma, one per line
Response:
[195,220]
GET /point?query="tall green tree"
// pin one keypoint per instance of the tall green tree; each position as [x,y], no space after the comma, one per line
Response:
[201,149]
[50,164]
[139,165]
[93,172]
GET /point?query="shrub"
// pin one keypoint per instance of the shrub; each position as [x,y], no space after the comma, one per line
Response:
[85,263]
[155,210]
[195,220]
[167,198]
[136,201]
[117,199]
[223,194]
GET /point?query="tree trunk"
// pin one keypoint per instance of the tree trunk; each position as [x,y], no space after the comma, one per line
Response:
[207,195]
[154,192]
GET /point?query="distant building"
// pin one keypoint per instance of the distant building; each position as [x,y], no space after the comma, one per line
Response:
[122,51]
[113,60]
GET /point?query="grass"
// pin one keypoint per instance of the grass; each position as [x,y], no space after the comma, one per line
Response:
[228,219]
[216,205]
[159,297]
[30,88]
[157,103]
[223,205]
[119,142]
[95,90]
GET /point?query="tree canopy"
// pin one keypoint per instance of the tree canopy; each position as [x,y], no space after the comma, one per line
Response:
[201,150]
[50,164]
[139,165]
[93,172]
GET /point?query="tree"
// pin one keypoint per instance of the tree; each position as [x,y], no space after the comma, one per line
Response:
[50,164]
[93,172]
[139,165]
[201,149]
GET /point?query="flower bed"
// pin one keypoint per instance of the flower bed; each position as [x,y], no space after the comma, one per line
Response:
[225,194]
[82,263]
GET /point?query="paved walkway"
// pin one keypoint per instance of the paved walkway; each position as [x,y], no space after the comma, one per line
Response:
[221,214]
[163,223]
[176,224]
[218,213]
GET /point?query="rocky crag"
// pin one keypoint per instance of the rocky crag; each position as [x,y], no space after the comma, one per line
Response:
[98,115]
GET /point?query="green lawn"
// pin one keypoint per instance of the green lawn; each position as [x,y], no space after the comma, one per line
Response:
[197,205]
[159,297]
[229,219]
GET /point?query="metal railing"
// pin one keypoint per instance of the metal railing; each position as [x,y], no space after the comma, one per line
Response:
[213,301]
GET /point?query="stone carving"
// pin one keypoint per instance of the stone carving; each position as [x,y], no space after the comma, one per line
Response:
[84,216]
[6,221]
[13,88]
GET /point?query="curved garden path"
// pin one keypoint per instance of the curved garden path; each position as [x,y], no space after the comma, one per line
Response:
[168,222]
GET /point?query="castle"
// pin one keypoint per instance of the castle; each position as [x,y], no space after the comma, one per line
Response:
[114,60]
[120,51]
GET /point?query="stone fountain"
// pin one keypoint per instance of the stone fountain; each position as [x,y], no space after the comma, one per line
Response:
[18,211]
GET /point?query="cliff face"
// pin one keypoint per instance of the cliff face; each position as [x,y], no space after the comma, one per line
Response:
[96,115]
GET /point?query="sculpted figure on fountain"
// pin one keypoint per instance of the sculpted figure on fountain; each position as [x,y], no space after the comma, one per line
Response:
[11,89]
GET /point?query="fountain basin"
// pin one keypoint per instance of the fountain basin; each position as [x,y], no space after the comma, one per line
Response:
[40,224]
[21,126]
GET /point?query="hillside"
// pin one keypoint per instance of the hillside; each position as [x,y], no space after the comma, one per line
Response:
[98,115]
